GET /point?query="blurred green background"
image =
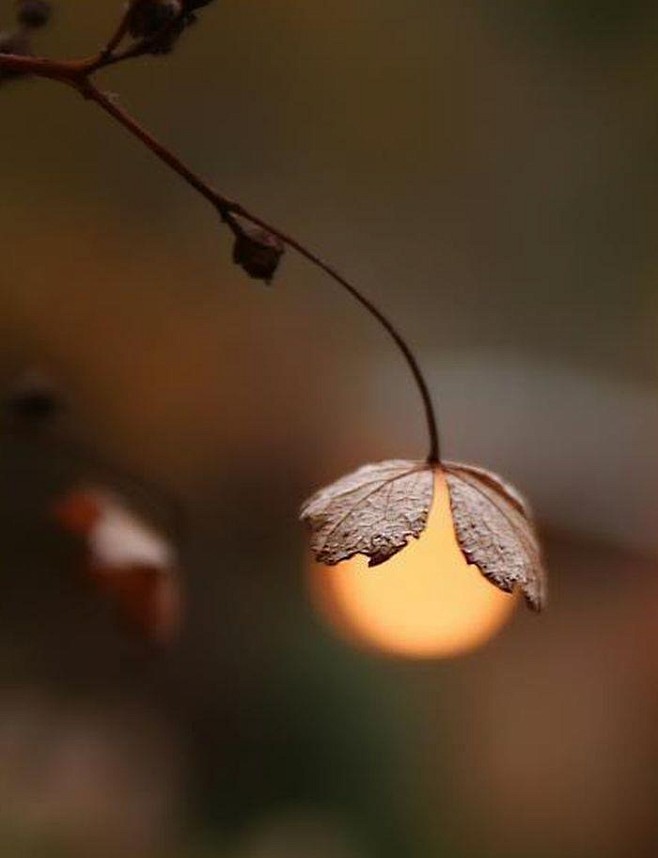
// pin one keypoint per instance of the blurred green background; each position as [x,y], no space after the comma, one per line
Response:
[487,172]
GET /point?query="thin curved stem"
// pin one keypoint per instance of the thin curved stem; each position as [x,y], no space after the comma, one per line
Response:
[433,456]
[227,209]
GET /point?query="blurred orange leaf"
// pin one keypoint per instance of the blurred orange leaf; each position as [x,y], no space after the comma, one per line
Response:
[130,562]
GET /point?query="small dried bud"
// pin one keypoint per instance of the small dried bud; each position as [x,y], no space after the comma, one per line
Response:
[33,13]
[14,43]
[150,17]
[258,252]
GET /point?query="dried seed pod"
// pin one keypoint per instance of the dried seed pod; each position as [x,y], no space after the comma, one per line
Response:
[258,252]
[33,13]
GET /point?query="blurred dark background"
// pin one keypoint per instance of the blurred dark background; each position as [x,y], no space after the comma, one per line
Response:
[487,172]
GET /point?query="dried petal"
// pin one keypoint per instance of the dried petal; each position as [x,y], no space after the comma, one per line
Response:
[374,511]
[495,531]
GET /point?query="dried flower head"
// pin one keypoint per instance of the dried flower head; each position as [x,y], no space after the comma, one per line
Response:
[377,509]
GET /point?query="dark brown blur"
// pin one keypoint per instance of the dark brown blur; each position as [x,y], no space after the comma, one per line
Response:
[487,173]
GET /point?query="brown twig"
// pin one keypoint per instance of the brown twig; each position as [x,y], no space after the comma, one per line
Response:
[65,71]
[120,32]
[79,73]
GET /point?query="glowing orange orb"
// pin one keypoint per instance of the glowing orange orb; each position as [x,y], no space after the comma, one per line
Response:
[426,602]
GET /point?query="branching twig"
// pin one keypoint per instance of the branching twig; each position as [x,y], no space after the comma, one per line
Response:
[79,75]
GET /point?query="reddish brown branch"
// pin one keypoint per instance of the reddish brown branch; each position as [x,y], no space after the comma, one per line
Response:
[121,31]
[109,105]
[61,70]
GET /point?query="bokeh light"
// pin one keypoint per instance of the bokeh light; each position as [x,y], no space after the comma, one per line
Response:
[426,602]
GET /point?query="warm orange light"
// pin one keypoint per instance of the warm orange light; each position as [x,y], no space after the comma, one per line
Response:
[426,602]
